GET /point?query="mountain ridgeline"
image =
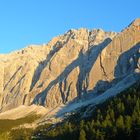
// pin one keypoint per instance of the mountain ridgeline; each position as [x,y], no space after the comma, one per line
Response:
[72,65]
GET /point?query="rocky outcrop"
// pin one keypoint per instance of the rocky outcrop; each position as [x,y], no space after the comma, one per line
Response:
[68,67]
[120,57]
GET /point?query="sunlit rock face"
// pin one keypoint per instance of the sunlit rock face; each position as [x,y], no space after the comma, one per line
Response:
[69,66]
[120,57]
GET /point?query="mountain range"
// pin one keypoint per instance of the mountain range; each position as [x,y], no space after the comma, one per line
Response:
[77,68]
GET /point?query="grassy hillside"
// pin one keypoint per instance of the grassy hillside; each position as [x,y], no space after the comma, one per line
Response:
[6,126]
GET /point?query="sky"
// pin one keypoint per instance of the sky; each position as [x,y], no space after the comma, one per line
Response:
[25,22]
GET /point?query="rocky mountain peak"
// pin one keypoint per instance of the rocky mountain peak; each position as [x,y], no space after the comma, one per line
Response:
[136,22]
[68,67]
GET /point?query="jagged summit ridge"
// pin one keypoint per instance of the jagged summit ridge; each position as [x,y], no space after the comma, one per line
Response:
[136,22]
[68,67]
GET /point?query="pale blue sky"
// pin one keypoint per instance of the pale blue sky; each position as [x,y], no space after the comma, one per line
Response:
[24,22]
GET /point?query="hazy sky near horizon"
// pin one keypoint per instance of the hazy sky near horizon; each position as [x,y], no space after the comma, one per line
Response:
[25,22]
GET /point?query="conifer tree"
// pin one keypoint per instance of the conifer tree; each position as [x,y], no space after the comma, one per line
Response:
[128,124]
[120,122]
[82,135]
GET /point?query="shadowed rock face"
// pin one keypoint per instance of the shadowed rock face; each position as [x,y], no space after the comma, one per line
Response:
[68,66]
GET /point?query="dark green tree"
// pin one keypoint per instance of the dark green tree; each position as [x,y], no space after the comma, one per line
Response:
[82,135]
[120,122]
[128,124]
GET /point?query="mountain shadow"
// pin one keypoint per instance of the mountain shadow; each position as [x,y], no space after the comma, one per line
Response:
[83,60]
[127,62]
[102,86]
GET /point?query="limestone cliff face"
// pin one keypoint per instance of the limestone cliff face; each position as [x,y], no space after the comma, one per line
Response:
[120,57]
[69,66]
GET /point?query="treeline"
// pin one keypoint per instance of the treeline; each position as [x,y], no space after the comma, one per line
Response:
[116,119]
